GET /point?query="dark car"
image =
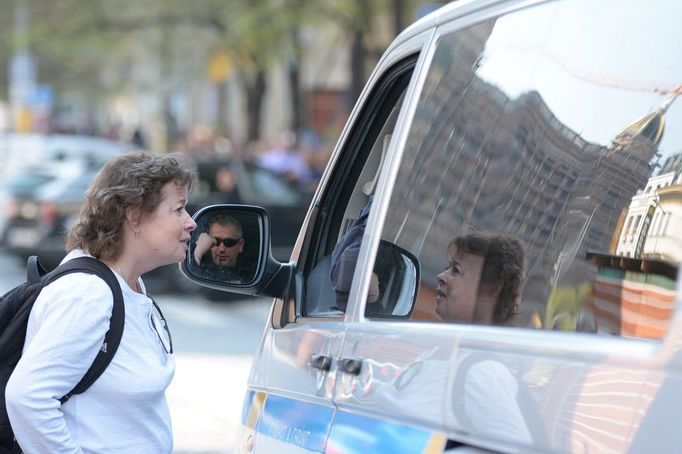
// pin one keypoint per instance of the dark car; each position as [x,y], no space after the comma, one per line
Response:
[19,188]
[47,202]
[37,222]
[233,180]
[285,200]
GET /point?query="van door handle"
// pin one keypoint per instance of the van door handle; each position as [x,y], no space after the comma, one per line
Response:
[322,362]
[350,365]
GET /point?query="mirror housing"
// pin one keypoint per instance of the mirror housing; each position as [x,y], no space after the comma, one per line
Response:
[230,251]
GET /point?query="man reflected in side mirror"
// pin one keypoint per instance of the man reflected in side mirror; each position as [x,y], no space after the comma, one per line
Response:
[482,283]
[217,251]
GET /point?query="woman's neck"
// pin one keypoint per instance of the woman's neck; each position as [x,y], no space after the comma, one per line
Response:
[129,276]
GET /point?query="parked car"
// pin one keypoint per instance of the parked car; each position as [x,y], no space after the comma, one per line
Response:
[17,189]
[491,260]
[17,151]
[37,222]
[285,201]
[29,161]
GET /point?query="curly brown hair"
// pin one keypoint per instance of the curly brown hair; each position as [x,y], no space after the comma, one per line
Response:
[129,181]
[504,265]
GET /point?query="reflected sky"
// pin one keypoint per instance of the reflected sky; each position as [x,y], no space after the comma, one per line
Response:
[595,96]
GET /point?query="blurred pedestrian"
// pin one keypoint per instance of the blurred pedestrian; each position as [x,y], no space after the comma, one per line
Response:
[138,139]
[134,220]
[226,186]
[285,159]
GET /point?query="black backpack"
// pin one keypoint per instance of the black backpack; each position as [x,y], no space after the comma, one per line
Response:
[15,307]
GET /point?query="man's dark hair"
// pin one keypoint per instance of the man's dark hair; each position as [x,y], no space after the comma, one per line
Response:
[503,265]
[226,220]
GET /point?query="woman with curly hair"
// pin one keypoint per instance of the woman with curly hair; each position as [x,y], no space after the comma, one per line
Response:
[134,220]
[483,281]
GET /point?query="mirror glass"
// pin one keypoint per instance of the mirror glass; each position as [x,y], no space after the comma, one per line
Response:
[225,248]
[393,288]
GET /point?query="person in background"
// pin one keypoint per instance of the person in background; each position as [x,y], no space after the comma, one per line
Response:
[285,159]
[226,185]
[138,139]
[134,220]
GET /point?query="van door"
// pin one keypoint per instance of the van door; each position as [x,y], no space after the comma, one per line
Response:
[290,405]
[536,185]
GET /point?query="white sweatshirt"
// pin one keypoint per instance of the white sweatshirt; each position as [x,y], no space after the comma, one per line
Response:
[125,410]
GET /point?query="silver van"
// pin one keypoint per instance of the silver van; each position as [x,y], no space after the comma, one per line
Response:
[491,260]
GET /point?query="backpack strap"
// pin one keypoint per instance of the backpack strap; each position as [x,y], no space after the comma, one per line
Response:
[112,338]
[34,270]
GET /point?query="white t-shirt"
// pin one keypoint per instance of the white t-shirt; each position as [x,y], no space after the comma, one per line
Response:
[125,410]
[489,402]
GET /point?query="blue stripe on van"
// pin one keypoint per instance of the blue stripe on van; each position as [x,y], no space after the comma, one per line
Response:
[306,425]
[353,433]
[296,423]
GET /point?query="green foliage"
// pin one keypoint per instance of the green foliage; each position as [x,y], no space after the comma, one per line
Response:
[91,46]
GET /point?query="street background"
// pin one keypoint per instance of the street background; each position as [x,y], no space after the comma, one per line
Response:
[214,343]
[254,94]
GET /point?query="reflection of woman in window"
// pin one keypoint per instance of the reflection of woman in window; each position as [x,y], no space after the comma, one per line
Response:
[482,283]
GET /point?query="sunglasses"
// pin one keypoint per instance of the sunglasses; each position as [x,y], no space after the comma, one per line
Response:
[227,242]
[161,328]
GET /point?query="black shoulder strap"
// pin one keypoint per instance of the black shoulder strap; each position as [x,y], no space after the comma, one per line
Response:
[113,337]
[34,270]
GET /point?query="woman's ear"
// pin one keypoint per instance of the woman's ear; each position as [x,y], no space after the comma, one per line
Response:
[133,218]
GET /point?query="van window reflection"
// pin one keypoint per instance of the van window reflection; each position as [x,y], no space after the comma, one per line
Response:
[483,280]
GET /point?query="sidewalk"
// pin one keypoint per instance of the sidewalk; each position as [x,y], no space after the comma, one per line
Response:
[205,400]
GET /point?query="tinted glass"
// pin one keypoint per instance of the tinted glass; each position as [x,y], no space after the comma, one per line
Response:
[541,176]
[270,188]
[26,183]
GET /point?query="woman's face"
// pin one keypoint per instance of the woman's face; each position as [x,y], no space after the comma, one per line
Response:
[458,288]
[166,231]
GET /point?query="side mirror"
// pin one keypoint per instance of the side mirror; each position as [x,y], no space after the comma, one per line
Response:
[396,276]
[230,250]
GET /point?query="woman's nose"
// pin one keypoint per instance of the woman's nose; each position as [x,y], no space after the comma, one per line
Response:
[191,225]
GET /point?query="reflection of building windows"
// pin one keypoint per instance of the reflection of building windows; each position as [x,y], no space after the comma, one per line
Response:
[636,224]
[629,225]
[655,224]
[666,217]
[594,240]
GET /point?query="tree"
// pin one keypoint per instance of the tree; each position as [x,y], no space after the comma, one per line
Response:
[90,47]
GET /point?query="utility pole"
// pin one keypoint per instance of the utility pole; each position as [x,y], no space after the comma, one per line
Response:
[22,77]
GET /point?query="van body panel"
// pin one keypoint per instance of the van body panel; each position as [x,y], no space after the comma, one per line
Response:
[498,120]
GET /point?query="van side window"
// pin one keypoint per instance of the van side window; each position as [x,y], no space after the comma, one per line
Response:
[521,190]
[347,204]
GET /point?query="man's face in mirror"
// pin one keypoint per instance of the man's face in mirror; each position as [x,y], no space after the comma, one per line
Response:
[229,244]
